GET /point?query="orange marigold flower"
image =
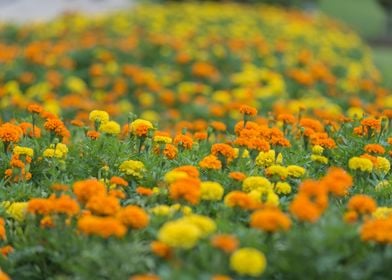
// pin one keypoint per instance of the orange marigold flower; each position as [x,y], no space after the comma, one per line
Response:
[144,191]
[170,151]
[161,249]
[248,110]
[237,176]
[316,191]
[35,108]
[65,205]
[378,230]
[362,204]
[337,181]
[240,199]
[101,226]
[225,242]
[87,188]
[103,204]
[115,180]
[117,193]
[59,187]
[4,276]
[286,118]
[270,220]
[186,188]
[304,209]
[133,216]
[40,206]
[57,126]
[218,126]
[374,148]
[371,123]
[3,235]
[145,277]
[210,162]
[77,123]
[200,136]
[223,150]
[350,217]
[10,133]
[188,169]
[183,141]
[6,250]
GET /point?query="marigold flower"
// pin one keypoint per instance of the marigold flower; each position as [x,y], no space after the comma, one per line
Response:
[266,159]
[186,188]
[226,243]
[337,181]
[362,164]
[179,234]
[374,148]
[295,171]
[5,251]
[17,210]
[18,150]
[110,127]
[118,181]
[103,204]
[211,191]
[183,141]
[270,220]
[320,159]
[10,133]
[28,130]
[190,170]
[205,224]
[237,176]
[40,206]
[3,235]
[101,226]
[378,230]
[161,249]
[92,134]
[277,170]
[133,168]
[248,262]
[65,205]
[145,277]
[84,190]
[240,199]
[382,165]
[210,162]
[98,116]
[248,110]
[304,209]
[140,127]
[256,183]
[362,204]
[282,188]
[133,216]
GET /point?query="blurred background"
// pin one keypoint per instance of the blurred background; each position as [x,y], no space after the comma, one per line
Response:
[372,19]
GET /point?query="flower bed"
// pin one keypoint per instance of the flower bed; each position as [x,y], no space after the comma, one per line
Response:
[193,141]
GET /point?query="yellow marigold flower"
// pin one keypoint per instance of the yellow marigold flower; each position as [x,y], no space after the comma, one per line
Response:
[317,150]
[278,170]
[133,168]
[248,261]
[295,171]
[320,159]
[205,224]
[186,210]
[50,153]
[98,116]
[267,197]
[282,188]
[179,234]
[18,150]
[162,139]
[173,176]
[382,165]
[382,185]
[16,210]
[256,183]
[61,147]
[110,127]
[266,159]
[355,112]
[211,191]
[161,210]
[362,164]
[382,212]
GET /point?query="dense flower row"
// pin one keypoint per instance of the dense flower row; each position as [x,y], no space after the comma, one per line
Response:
[270,166]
